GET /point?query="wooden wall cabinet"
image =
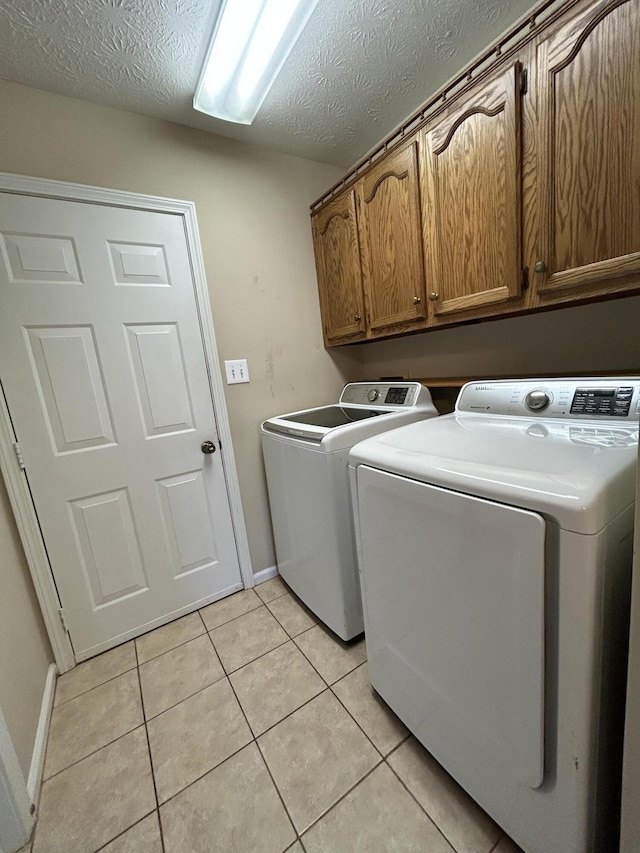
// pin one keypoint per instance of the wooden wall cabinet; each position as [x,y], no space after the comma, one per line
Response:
[391,243]
[471,175]
[504,190]
[589,153]
[337,252]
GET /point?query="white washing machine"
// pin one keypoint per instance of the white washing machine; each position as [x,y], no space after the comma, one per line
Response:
[495,549]
[306,458]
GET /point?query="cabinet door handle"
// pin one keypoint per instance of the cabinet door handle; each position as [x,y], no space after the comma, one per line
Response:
[358,318]
[540,266]
[433,296]
[416,300]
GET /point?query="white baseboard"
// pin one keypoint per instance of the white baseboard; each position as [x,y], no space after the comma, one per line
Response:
[42,733]
[265,574]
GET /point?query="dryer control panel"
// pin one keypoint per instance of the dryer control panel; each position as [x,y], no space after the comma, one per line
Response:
[617,398]
[603,401]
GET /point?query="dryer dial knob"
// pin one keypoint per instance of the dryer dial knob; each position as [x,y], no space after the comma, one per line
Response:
[537,400]
[373,395]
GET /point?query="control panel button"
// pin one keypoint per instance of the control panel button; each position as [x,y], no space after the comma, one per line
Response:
[372,395]
[537,400]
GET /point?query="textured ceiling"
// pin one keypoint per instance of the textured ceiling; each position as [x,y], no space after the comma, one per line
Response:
[359,68]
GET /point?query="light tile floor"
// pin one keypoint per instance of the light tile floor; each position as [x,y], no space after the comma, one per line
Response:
[244,727]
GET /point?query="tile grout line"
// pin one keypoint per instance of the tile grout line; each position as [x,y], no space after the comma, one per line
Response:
[237,669]
[110,743]
[190,696]
[343,796]
[206,773]
[291,713]
[377,749]
[291,636]
[413,796]
[146,731]
[268,769]
[124,831]
[95,686]
[286,590]
[94,752]
[184,642]
[173,648]
[328,688]
[329,685]
[233,618]
[255,740]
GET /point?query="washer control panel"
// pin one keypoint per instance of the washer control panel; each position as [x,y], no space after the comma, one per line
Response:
[589,398]
[403,394]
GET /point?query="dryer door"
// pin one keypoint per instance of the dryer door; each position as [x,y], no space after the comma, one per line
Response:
[453,587]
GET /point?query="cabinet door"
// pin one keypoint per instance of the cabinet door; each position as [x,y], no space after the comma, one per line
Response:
[589,98]
[337,252]
[472,214]
[389,222]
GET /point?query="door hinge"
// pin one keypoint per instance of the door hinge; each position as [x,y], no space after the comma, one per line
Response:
[19,456]
[523,81]
[63,619]
[524,278]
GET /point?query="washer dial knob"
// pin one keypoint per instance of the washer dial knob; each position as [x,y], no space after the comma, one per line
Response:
[537,400]
[372,395]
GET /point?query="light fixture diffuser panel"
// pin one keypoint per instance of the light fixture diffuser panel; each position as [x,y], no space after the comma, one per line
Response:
[252,40]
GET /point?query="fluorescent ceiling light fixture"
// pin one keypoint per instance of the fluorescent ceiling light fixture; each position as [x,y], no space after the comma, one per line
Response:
[250,44]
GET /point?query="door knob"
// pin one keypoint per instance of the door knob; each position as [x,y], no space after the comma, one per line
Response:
[433,296]
[357,318]
[416,300]
[208,447]
[540,266]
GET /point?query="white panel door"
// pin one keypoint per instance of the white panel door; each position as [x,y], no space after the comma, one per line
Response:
[103,367]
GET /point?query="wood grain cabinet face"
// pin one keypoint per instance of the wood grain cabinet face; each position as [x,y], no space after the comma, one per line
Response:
[391,241]
[337,252]
[589,153]
[471,173]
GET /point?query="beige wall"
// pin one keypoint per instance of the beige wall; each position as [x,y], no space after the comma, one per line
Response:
[253,214]
[25,654]
[600,336]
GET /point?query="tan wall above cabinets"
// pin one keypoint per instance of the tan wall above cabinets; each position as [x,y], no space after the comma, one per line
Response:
[520,191]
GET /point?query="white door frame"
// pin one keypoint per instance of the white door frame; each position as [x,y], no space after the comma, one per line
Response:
[16,483]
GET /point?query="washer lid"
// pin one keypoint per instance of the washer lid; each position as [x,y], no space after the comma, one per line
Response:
[364,409]
[582,474]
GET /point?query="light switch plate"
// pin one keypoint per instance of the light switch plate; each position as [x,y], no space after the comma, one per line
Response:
[237,371]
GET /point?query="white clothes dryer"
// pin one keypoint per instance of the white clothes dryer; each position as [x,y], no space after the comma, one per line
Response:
[495,549]
[306,458]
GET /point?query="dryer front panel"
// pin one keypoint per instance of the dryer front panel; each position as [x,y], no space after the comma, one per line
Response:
[453,587]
